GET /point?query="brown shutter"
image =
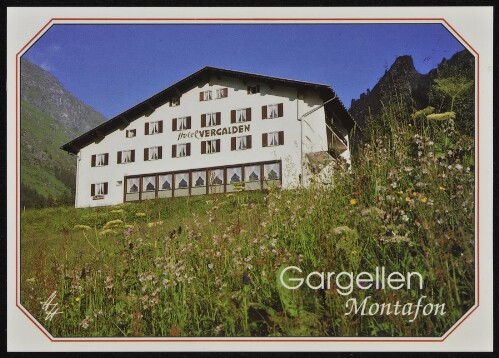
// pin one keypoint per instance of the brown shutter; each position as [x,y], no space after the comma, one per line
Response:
[248,114]
[281,137]
[146,154]
[188,122]
[201,96]
[264,112]
[218,145]
[147,128]
[219,118]
[225,92]
[160,152]
[126,135]
[105,188]
[133,155]
[188,149]
[248,142]
[280,110]
[106,158]
[174,124]
[93,160]
[174,151]
[264,139]
[160,125]
[233,143]
[233,116]
[119,157]
[203,120]
[92,189]
[203,147]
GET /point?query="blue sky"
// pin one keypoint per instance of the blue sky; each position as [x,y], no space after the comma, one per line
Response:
[114,67]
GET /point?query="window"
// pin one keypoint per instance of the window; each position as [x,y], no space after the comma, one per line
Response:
[240,115]
[210,146]
[100,160]
[205,96]
[272,171]
[149,183]
[182,181]
[222,93]
[154,127]
[130,133]
[211,119]
[182,123]
[253,89]
[199,178]
[132,185]
[234,175]
[126,156]
[272,111]
[153,153]
[240,143]
[252,173]
[272,139]
[175,102]
[165,182]
[98,189]
[181,150]
[216,177]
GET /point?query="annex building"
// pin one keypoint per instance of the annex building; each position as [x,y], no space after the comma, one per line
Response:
[215,131]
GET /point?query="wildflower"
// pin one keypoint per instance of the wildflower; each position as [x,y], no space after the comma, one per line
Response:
[107,232]
[459,167]
[118,211]
[441,188]
[77,299]
[407,199]
[414,193]
[113,223]
[155,223]
[353,201]
[86,322]
[140,215]
[210,266]
[424,200]
[82,227]
[400,192]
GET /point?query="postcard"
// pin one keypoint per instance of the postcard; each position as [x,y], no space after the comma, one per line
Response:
[245,179]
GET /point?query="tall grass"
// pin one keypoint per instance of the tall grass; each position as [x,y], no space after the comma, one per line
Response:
[207,266]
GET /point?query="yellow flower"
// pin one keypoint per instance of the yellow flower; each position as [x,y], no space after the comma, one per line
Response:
[424,200]
[77,299]
[441,188]
[353,201]
[140,214]
[400,192]
[407,199]
[414,194]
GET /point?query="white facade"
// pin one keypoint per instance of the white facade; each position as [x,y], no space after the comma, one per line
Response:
[104,177]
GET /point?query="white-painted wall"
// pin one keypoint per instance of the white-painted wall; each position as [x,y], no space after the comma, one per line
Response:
[311,129]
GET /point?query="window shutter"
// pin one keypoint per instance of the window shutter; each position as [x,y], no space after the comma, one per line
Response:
[219,118]
[174,151]
[188,122]
[119,157]
[160,152]
[160,126]
[106,159]
[280,110]
[233,143]
[126,135]
[201,96]
[146,154]
[93,160]
[174,124]
[233,116]
[248,114]
[203,120]
[203,147]
[92,189]
[147,128]
[218,145]
[225,92]
[105,188]
[248,142]
[281,137]
[264,112]
[133,155]
[188,149]
[264,140]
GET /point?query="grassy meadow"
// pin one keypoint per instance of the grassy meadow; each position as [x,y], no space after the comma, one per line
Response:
[207,265]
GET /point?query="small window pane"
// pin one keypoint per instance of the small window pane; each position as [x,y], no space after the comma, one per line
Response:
[182,181]
[165,182]
[149,183]
[271,171]
[252,173]
[132,185]
[216,177]
[199,178]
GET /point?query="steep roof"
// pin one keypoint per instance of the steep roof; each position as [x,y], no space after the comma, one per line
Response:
[149,105]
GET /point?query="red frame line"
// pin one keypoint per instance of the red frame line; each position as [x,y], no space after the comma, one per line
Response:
[287,340]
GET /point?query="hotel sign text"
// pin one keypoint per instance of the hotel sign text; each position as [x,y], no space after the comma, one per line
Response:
[214,132]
